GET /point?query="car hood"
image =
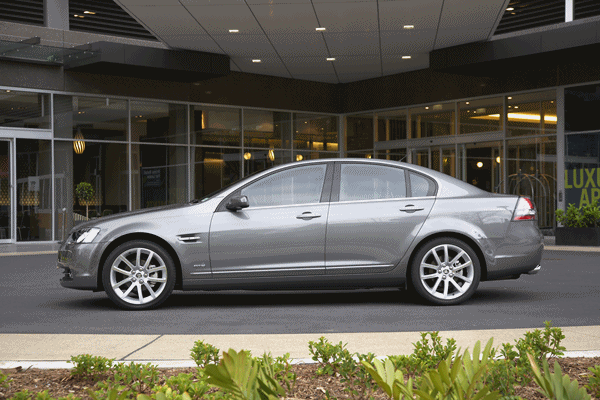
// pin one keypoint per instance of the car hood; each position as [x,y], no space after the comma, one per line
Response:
[122,215]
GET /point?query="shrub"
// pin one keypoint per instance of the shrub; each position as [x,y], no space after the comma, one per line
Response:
[204,353]
[88,366]
[594,383]
[580,217]
[427,353]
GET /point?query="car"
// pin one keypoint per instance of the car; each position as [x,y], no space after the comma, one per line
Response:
[344,223]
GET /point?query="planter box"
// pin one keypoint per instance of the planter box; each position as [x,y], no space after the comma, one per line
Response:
[568,236]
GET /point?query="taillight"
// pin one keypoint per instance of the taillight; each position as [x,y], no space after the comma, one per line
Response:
[525,209]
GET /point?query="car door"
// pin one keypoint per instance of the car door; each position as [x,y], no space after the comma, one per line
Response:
[281,233]
[374,215]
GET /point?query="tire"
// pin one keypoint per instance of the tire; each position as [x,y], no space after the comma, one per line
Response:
[450,278]
[138,275]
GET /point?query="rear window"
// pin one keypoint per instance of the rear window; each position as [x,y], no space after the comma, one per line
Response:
[421,186]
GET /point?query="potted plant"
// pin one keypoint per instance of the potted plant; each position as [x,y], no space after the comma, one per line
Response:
[581,225]
[85,193]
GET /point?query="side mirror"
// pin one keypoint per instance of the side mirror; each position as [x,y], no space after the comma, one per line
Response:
[237,203]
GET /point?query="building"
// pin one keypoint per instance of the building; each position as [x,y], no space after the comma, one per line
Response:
[159,102]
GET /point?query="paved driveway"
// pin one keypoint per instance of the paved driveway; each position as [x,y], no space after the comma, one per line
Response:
[566,291]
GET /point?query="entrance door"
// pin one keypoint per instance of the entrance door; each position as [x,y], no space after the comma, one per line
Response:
[481,164]
[5,192]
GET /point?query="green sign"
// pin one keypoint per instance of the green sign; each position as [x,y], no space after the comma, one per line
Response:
[582,186]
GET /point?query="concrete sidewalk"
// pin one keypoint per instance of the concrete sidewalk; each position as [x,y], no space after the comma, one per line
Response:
[52,350]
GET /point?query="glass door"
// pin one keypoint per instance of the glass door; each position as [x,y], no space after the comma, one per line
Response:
[5,192]
[480,164]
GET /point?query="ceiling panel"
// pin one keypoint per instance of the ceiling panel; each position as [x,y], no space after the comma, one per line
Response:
[357,65]
[211,2]
[352,43]
[128,3]
[193,42]
[396,65]
[298,45]
[407,41]
[255,46]
[348,17]
[328,78]
[423,14]
[345,78]
[278,1]
[301,65]
[218,20]
[465,21]
[267,66]
[286,18]
[167,20]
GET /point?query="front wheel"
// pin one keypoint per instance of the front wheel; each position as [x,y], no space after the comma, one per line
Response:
[446,271]
[138,275]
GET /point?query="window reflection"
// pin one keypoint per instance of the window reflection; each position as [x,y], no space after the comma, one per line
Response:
[478,116]
[531,114]
[315,132]
[24,110]
[158,122]
[433,120]
[216,126]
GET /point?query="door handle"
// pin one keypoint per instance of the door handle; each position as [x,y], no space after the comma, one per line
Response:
[307,215]
[411,209]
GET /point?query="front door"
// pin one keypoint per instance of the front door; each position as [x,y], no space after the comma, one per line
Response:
[281,233]
[5,192]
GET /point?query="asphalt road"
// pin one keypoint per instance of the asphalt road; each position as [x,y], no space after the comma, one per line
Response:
[566,291]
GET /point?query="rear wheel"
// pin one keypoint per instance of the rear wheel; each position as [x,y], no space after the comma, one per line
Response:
[446,271]
[138,275]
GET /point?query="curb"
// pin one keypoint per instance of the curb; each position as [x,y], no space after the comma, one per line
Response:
[191,364]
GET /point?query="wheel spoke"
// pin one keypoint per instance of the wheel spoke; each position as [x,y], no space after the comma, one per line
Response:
[121,271]
[126,293]
[446,253]
[460,267]
[425,265]
[430,276]
[150,290]
[464,278]
[458,256]
[445,288]
[437,259]
[457,286]
[126,261]
[116,285]
[437,283]
[147,263]
[140,295]
[156,269]
[137,257]
[153,279]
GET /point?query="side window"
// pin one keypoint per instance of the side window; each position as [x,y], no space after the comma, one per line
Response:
[293,186]
[371,182]
[421,186]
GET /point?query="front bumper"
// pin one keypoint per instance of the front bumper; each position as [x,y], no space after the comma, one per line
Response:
[79,264]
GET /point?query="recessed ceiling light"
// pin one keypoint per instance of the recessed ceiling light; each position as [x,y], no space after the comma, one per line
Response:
[330,58]
[8,91]
[89,12]
[256,61]
[409,26]
[320,29]
[467,102]
[234,30]
[510,9]
[509,97]
[406,57]
[427,108]
[78,16]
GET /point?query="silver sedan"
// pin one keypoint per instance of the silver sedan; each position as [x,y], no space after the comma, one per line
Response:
[320,224]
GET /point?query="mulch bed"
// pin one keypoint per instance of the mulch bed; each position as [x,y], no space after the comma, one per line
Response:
[59,382]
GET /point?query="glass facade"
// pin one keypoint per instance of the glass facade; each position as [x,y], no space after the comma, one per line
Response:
[135,154]
[503,144]
[140,153]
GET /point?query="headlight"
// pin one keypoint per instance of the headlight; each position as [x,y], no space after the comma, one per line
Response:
[85,235]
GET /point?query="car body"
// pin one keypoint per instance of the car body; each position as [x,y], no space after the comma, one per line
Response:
[319,224]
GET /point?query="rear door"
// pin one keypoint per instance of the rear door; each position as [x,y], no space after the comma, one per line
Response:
[375,214]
